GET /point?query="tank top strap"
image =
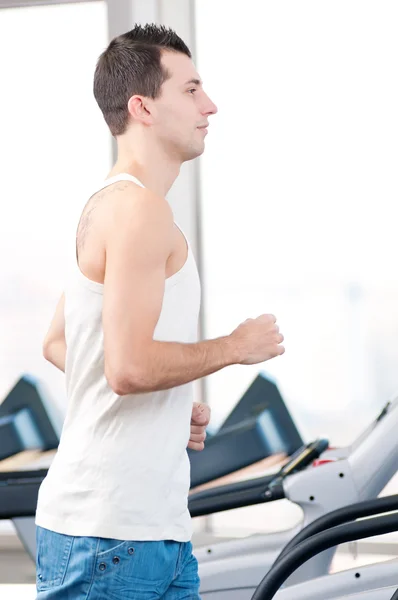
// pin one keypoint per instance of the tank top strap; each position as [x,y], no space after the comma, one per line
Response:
[120,177]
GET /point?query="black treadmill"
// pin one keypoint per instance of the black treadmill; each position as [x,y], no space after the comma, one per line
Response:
[259,426]
[19,491]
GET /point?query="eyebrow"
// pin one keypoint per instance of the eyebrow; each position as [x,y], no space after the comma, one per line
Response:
[193,82]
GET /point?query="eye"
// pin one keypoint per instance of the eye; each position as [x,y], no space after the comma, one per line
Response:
[192,91]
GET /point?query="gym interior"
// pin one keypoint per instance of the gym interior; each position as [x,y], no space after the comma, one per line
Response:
[290,211]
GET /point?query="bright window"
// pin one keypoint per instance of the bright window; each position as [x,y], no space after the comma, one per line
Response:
[55,146]
[299,195]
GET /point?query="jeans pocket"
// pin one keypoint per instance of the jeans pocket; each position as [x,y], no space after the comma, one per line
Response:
[134,570]
[108,546]
[52,558]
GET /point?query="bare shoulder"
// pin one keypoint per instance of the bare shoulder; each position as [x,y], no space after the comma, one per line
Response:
[122,206]
[94,212]
[134,207]
[139,220]
[132,200]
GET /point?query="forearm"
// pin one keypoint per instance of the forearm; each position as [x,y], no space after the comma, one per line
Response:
[55,353]
[171,364]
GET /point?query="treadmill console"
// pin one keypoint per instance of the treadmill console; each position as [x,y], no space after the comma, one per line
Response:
[303,457]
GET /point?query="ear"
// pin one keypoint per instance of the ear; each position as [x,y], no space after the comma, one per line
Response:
[140,109]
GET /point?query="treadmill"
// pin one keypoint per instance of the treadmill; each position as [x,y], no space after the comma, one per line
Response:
[377,517]
[234,569]
[343,476]
[260,426]
[340,478]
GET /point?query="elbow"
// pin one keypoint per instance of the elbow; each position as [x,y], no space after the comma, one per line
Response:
[124,382]
[119,384]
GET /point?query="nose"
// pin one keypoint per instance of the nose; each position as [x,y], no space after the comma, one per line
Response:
[209,107]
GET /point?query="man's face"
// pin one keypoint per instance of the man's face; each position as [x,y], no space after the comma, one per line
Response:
[182,110]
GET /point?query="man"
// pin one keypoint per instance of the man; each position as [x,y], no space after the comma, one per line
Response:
[112,518]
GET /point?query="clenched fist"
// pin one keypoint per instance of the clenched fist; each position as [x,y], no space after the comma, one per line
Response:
[258,340]
[200,419]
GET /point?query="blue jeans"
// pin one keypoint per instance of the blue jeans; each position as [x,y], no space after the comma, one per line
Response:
[88,568]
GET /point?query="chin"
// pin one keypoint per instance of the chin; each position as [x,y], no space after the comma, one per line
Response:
[194,152]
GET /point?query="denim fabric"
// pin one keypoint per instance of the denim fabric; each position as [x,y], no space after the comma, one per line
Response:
[88,568]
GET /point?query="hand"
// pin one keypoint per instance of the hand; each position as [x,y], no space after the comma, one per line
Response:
[199,420]
[258,340]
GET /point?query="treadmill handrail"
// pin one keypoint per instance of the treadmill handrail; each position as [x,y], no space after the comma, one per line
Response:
[10,477]
[359,510]
[228,488]
[319,542]
[235,499]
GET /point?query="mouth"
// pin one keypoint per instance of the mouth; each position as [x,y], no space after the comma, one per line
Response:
[204,128]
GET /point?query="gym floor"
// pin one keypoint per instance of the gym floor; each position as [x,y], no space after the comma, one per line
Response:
[15,564]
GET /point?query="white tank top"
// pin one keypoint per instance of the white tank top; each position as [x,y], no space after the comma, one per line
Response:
[121,470]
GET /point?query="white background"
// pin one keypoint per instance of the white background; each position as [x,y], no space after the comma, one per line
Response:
[54,145]
[299,194]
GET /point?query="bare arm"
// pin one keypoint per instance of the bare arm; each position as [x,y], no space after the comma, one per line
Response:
[138,244]
[54,345]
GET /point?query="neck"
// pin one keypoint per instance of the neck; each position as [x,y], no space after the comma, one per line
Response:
[148,162]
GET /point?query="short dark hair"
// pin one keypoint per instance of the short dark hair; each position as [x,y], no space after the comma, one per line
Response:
[131,64]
